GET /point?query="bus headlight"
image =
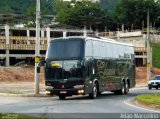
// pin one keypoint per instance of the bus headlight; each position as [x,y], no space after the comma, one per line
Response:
[80,91]
[78,86]
[47,92]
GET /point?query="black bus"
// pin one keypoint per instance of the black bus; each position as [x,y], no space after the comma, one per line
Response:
[87,65]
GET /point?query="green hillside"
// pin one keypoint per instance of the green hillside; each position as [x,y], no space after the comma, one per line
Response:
[108,4]
[24,6]
[156,55]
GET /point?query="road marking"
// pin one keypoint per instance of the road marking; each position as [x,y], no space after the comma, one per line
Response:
[126,102]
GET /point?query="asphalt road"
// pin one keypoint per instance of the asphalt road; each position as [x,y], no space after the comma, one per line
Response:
[77,106]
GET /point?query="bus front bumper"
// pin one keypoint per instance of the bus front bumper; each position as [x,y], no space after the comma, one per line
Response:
[67,92]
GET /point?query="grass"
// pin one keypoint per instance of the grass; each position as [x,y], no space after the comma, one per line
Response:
[156,55]
[153,99]
[17,116]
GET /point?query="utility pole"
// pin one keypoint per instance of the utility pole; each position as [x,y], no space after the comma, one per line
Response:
[148,48]
[37,48]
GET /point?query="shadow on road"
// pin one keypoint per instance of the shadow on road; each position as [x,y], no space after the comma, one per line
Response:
[101,96]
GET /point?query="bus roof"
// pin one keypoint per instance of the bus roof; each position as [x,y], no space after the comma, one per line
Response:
[103,39]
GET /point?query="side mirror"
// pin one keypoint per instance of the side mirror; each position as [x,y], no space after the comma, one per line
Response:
[41,63]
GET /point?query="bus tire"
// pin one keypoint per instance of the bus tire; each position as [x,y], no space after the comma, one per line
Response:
[62,97]
[94,93]
[126,88]
[121,91]
[116,92]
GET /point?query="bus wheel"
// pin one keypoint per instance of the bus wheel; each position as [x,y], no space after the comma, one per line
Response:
[94,92]
[116,92]
[126,88]
[122,91]
[62,97]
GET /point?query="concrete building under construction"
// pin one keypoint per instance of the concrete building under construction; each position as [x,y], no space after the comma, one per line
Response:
[18,44]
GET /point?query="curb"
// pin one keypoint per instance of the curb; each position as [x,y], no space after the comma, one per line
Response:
[10,94]
[133,103]
[23,95]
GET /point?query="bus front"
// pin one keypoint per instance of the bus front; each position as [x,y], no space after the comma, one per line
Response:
[64,67]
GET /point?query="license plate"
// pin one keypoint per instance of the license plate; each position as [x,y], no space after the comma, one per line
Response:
[63,92]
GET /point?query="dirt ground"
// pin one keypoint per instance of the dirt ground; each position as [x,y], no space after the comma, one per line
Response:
[19,80]
[26,74]
[141,75]
[19,74]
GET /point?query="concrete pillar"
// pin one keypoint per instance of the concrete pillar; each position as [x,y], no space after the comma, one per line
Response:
[48,35]
[42,33]
[28,33]
[96,32]
[7,59]
[123,28]
[7,33]
[118,34]
[7,42]
[64,34]
[28,37]
[85,31]
[105,30]
[42,37]
[144,59]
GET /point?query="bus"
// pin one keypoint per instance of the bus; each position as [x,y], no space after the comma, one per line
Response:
[80,65]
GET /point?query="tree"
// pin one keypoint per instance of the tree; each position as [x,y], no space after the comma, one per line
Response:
[6,9]
[80,14]
[134,12]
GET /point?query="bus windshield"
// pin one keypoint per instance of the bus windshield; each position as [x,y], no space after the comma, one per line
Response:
[70,69]
[64,49]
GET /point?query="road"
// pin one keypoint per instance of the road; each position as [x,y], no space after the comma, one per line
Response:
[106,103]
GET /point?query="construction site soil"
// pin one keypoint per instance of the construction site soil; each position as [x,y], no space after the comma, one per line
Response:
[26,74]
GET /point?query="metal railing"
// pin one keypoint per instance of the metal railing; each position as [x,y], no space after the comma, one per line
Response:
[20,47]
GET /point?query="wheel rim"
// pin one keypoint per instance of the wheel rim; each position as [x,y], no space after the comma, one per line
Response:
[123,90]
[95,91]
[127,89]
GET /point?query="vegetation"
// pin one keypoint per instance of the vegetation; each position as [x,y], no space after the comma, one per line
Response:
[23,6]
[153,99]
[110,14]
[156,55]
[131,13]
[80,14]
[134,12]
[17,116]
